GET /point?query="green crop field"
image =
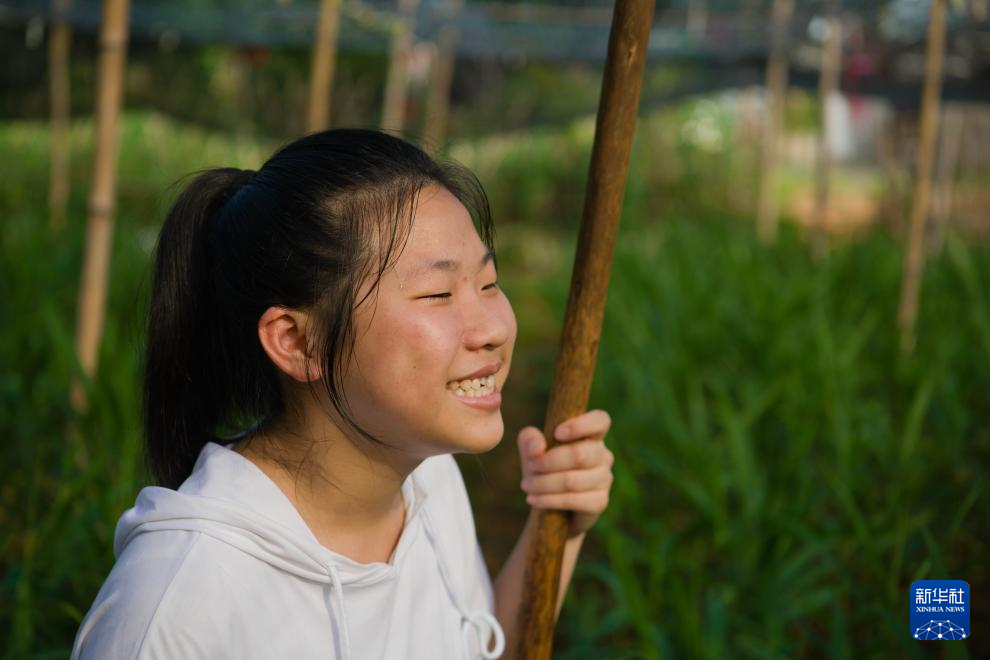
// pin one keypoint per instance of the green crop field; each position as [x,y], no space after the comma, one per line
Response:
[783,472]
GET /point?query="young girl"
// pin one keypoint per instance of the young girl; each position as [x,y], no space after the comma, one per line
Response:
[341,304]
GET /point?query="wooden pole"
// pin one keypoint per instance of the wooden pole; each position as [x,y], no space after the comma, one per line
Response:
[828,82]
[397,80]
[59,45]
[776,82]
[441,78]
[913,259]
[324,62]
[575,365]
[99,226]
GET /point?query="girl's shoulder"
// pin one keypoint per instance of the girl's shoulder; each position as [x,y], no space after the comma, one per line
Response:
[177,593]
[153,576]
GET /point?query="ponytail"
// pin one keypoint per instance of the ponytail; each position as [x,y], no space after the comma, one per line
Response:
[184,388]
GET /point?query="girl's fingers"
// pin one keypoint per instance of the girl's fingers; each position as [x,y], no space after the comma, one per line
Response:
[576,474]
[531,442]
[571,481]
[592,424]
[580,455]
[593,502]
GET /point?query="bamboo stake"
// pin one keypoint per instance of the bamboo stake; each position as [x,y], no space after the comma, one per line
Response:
[397,81]
[99,226]
[776,82]
[828,82]
[441,78]
[324,63]
[59,45]
[575,365]
[913,259]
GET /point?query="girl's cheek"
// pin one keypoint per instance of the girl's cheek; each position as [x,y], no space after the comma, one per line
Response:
[434,336]
[510,320]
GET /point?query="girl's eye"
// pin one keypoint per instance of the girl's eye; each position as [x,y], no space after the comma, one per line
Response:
[441,296]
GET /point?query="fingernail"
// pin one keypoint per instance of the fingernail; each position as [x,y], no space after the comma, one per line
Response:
[534,446]
[563,432]
[530,499]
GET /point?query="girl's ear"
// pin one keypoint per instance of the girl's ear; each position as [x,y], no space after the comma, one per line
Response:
[284,337]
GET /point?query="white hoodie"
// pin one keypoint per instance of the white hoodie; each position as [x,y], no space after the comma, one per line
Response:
[225,567]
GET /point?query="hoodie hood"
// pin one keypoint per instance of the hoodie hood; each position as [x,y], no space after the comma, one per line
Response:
[228,498]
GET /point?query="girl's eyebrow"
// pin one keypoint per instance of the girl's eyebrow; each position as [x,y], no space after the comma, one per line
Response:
[449,265]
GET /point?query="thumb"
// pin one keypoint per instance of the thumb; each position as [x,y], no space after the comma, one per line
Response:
[531,443]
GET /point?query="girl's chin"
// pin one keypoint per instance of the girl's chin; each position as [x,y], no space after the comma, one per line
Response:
[482,439]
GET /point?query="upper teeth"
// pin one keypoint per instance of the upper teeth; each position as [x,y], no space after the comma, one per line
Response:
[473,387]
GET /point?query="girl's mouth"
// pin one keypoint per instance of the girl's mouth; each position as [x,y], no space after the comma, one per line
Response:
[473,388]
[477,392]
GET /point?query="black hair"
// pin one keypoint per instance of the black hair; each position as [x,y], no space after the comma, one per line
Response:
[322,215]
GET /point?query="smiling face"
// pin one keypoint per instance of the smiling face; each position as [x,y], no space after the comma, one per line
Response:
[438,319]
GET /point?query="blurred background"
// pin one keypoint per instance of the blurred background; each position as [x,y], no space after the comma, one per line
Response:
[796,348]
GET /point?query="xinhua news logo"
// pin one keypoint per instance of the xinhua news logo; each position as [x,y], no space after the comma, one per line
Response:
[940,610]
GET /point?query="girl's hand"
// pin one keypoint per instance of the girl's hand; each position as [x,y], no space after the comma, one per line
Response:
[573,476]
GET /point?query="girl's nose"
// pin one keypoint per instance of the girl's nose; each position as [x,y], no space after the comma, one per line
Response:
[487,324]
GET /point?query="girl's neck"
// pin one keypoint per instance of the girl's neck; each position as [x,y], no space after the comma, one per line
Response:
[349,497]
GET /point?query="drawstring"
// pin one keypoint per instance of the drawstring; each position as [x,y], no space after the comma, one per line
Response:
[479,622]
[485,625]
[338,588]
